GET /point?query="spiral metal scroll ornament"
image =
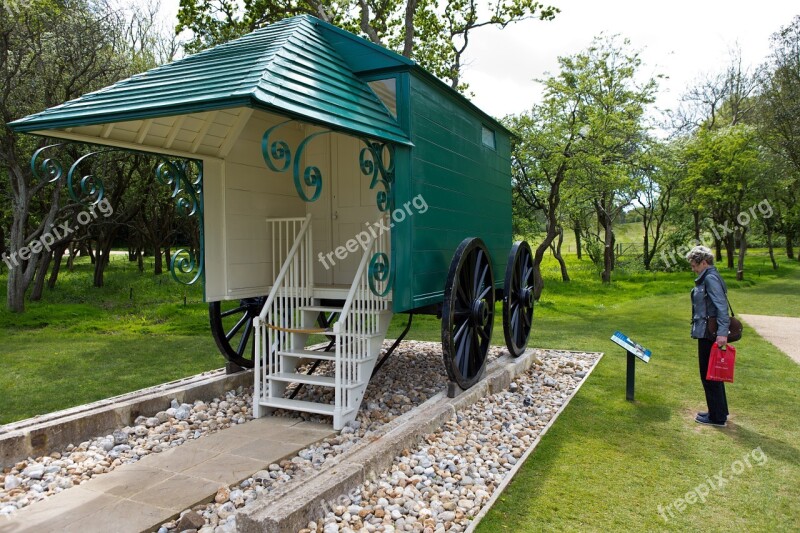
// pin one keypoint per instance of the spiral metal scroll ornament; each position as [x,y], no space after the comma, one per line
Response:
[188,196]
[380,274]
[88,190]
[47,169]
[278,157]
[372,164]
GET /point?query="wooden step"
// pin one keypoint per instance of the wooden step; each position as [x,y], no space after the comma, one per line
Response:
[312,379]
[322,309]
[300,405]
[309,354]
[332,292]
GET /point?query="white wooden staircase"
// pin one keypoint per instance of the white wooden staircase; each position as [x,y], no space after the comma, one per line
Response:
[289,318]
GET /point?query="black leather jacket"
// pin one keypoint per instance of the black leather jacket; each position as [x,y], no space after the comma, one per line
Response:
[709,299]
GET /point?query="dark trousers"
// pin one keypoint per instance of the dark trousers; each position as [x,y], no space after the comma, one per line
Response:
[715,390]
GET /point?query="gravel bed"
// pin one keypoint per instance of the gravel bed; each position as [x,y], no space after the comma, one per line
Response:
[390,394]
[37,478]
[412,375]
[444,483]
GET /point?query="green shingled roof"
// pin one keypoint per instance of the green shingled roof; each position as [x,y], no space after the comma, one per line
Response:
[289,67]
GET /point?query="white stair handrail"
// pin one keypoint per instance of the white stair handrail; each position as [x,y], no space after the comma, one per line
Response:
[286,265]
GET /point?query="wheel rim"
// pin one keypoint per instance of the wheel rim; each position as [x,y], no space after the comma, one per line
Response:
[468,313]
[232,328]
[518,298]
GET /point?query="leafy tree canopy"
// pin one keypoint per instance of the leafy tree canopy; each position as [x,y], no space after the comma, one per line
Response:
[401,25]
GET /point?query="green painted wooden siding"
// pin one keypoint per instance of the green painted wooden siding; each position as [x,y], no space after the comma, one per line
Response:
[466,185]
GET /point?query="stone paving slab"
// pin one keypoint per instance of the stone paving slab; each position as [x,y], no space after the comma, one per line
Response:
[141,496]
[782,331]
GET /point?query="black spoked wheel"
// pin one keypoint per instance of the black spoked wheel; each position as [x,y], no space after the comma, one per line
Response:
[518,298]
[232,328]
[468,313]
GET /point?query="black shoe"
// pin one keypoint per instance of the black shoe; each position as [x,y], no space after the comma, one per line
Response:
[700,419]
[704,413]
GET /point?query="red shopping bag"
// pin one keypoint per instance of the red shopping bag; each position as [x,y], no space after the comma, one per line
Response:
[720,364]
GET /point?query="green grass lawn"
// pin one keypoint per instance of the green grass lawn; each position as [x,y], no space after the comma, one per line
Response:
[81,343]
[607,464]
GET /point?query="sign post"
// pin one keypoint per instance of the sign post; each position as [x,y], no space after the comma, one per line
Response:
[634,350]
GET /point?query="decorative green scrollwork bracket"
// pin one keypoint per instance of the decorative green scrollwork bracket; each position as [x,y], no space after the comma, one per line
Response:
[90,189]
[187,192]
[278,156]
[380,271]
[188,195]
[372,163]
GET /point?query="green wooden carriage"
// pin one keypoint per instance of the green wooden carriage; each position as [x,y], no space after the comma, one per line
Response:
[339,183]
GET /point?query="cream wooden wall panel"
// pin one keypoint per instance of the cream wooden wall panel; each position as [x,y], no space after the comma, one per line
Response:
[249,276]
[214,226]
[245,251]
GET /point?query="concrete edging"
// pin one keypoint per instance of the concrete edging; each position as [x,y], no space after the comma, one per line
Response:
[41,435]
[308,496]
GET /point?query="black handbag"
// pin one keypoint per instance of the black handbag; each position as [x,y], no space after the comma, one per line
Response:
[734,330]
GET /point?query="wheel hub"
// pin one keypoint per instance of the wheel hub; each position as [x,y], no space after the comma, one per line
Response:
[480,313]
[526,297]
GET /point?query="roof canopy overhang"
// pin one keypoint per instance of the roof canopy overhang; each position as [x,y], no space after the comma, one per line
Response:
[198,105]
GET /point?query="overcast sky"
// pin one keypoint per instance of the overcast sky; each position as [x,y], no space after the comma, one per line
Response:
[681,39]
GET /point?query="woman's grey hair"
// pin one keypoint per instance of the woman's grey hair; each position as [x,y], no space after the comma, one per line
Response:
[698,254]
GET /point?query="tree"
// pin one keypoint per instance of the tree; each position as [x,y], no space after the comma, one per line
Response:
[542,159]
[659,182]
[612,109]
[52,51]
[395,24]
[779,109]
[725,171]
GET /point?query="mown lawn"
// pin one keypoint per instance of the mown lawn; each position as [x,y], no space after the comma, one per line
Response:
[607,464]
[81,343]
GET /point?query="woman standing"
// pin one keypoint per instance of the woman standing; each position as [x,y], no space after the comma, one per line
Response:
[709,300]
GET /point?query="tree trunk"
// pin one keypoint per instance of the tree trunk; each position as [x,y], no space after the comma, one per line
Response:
[140,259]
[74,250]
[717,250]
[41,275]
[102,258]
[58,255]
[770,247]
[557,255]
[697,220]
[790,244]
[159,267]
[646,255]
[742,251]
[577,230]
[730,249]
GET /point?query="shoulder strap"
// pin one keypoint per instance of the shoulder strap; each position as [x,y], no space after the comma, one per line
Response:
[725,290]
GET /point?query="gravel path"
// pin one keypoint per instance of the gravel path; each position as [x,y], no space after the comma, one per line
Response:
[779,330]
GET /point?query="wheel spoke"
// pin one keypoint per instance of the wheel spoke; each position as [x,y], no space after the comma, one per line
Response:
[460,330]
[243,340]
[477,281]
[233,311]
[475,355]
[462,357]
[242,321]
